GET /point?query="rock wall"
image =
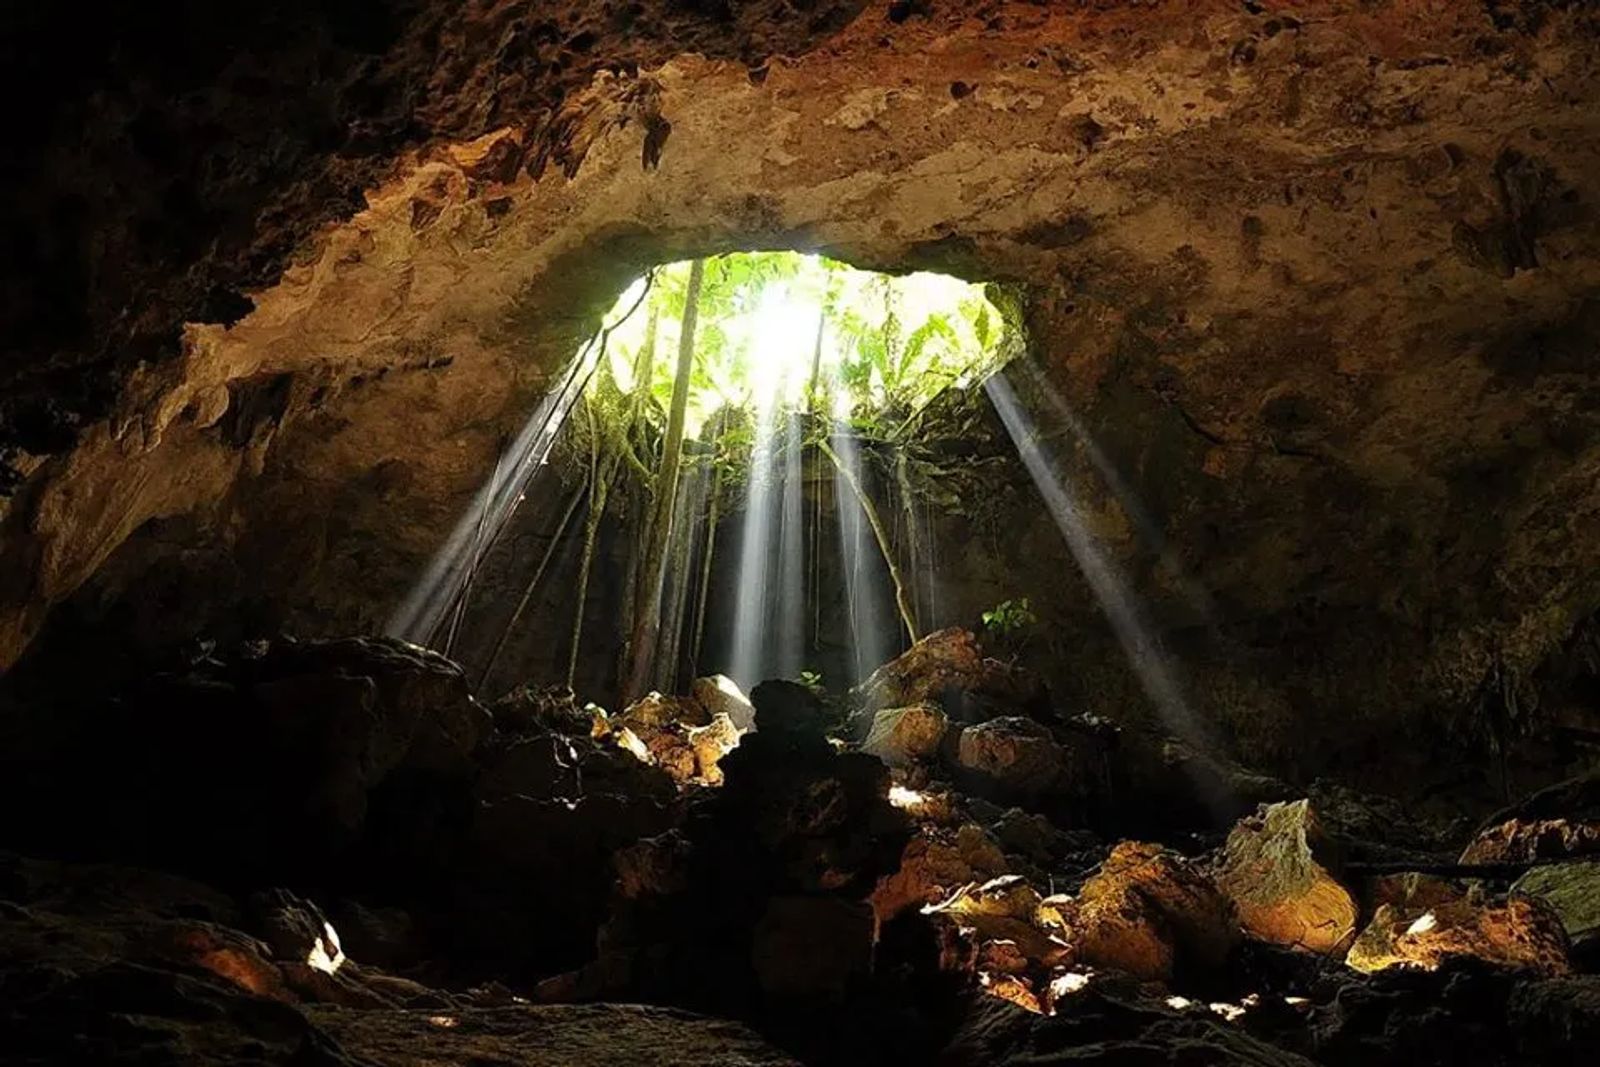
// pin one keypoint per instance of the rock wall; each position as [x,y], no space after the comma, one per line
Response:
[1318,283]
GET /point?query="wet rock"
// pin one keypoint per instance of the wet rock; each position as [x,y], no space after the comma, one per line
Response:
[1149,912]
[1275,869]
[1013,755]
[902,736]
[1516,931]
[720,695]
[1573,891]
[812,945]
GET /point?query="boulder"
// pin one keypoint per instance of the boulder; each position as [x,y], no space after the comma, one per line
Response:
[949,667]
[656,710]
[1524,840]
[1010,927]
[553,707]
[1014,755]
[901,736]
[710,743]
[1149,912]
[720,695]
[788,709]
[1573,891]
[945,659]
[811,945]
[1554,823]
[1275,869]
[1516,931]
[935,863]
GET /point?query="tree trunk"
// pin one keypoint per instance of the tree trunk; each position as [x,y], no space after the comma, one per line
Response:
[907,613]
[705,570]
[647,624]
[671,643]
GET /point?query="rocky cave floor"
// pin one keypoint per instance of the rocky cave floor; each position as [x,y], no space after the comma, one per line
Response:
[331,853]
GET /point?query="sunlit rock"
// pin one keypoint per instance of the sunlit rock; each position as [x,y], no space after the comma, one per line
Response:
[1275,869]
[1560,821]
[658,710]
[1017,756]
[905,735]
[1149,912]
[1516,931]
[719,694]
[946,659]
[935,863]
[1007,920]
[1522,840]
[1573,891]
[710,743]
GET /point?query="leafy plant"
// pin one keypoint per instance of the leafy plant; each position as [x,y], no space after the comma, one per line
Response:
[1009,618]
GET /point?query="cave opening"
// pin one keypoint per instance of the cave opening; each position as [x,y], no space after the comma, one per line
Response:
[820,533]
[793,417]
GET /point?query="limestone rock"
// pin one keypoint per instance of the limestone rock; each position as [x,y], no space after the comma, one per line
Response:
[901,736]
[941,660]
[1149,912]
[1274,867]
[1018,756]
[658,710]
[935,863]
[949,667]
[1516,931]
[1560,821]
[1573,891]
[1522,840]
[710,744]
[720,695]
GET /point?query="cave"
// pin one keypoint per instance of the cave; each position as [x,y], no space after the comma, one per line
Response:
[801,532]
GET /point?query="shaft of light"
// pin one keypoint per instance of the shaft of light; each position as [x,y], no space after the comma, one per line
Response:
[1154,538]
[1116,601]
[433,596]
[788,651]
[750,616]
[864,573]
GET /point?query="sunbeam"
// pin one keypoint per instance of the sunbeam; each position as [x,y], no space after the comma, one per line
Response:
[1138,642]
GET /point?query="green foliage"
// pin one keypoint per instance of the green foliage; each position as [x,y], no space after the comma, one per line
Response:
[1009,618]
[812,680]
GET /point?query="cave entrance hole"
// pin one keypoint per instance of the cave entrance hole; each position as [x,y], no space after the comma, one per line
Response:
[728,478]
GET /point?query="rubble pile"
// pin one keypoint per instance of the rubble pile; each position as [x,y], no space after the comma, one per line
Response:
[945,871]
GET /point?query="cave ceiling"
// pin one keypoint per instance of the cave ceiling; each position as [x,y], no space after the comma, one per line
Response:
[1320,277]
